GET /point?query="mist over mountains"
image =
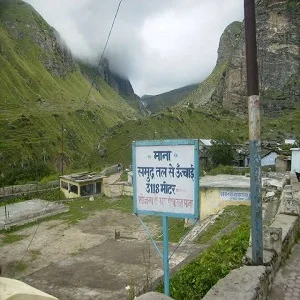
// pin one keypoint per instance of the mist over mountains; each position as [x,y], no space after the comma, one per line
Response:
[158,45]
[47,95]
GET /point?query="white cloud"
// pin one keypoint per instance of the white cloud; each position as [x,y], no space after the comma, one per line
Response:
[159,45]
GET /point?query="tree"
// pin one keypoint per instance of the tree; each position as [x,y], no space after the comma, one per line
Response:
[221,150]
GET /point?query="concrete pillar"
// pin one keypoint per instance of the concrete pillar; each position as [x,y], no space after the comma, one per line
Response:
[78,190]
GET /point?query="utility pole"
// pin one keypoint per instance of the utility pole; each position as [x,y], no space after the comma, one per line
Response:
[62,149]
[254,132]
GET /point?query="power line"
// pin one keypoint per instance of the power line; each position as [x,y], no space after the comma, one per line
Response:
[101,57]
[33,236]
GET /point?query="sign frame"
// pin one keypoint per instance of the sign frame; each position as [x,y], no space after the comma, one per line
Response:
[158,143]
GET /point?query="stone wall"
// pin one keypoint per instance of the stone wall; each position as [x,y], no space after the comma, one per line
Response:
[110,170]
[255,282]
[27,188]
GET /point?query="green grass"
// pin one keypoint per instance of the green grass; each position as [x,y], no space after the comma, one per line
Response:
[176,229]
[240,214]
[80,209]
[124,176]
[190,123]
[204,91]
[34,254]
[194,280]
[12,238]
[21,267]
[162,101]
[177,123]
[36,101]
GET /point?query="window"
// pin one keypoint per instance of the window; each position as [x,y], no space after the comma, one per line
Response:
[74,188]
[64,185]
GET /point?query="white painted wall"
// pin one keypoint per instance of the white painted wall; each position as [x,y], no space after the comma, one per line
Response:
[295,160]
[269,160]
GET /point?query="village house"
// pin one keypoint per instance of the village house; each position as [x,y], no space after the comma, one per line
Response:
[268,158]
[82,184]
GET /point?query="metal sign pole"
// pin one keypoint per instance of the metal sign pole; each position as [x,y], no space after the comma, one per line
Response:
[166,256]
[254,132]
[166,184]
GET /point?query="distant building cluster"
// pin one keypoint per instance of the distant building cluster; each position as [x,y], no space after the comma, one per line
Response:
[273,154]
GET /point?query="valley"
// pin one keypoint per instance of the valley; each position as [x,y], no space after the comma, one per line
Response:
[62,113]
[58,111]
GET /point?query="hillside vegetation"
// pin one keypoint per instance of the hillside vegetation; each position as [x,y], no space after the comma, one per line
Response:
[191,123]
[43,91]
[46,114]
[162,101]
[170,124]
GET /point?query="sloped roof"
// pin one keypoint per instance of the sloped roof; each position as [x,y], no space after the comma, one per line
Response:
[205,142]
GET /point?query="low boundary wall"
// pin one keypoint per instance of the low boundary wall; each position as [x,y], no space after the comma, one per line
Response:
[15,190]
[254,282]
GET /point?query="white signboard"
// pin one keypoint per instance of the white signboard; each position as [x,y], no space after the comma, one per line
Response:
[235,195]
[166,178]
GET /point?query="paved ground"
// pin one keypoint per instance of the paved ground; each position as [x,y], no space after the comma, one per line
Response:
[23,209]
[83,260]
[103,271]
[25,212]
[287,281]
[57,240]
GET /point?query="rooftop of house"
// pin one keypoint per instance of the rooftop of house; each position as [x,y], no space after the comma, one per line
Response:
[205,142]
[290,141]
[225,181]
[83,177]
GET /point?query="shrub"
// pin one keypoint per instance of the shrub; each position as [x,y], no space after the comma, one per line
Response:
[221,150]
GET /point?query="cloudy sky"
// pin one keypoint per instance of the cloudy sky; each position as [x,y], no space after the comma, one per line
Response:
[158,44]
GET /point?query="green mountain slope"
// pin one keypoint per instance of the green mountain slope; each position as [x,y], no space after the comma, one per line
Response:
[170,124]
[41,90]
[203,95]
[118,83]
[171,98]
[190,123]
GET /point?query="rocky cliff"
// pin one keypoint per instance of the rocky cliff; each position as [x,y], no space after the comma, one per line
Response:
[25,25]
[278,39]
[211,89]
[118,83]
